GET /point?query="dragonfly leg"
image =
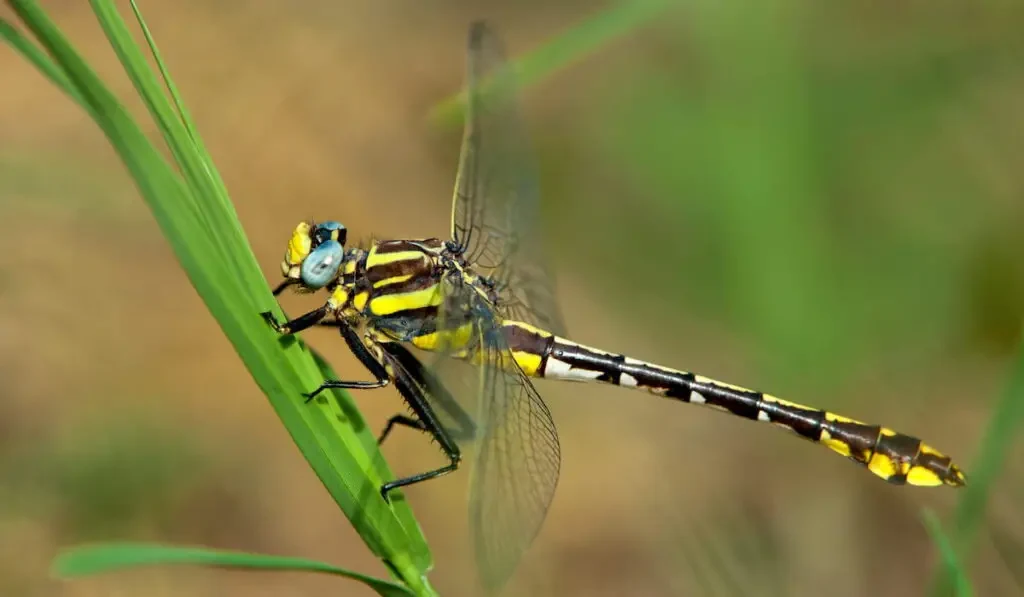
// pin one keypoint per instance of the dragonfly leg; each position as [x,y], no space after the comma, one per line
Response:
[332,384]
[440,395]
[400,420]
[283,285]
[298,324]
[413,391]
[358,348]
[390,486]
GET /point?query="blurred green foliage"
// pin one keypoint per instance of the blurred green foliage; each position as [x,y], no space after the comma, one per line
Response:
[812,192]
[109,476]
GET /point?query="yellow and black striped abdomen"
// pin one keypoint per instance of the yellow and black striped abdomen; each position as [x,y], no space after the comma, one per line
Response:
[895,457]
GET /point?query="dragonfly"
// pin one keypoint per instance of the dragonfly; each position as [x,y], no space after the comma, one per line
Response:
[485,296]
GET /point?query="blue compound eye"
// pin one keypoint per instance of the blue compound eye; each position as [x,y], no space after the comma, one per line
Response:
[321,266]
[329,230]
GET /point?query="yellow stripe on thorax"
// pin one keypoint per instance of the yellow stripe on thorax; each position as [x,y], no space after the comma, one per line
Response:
[359,301]
[392,280]
[395,303]
[374,258]
[405,301]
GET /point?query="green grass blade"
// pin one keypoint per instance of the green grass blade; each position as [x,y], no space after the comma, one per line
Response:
[950,562]
[40,60]
[183,134]
[172,89]
[171,128]
[197,145]
[1002,431]
[90,560]
[331,434]
[561,51]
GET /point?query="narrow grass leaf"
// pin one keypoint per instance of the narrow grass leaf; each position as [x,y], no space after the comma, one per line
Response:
[220,193]
[40,60]
[90,560]
[950,561]
[171,128]
[561,51]
[969,516]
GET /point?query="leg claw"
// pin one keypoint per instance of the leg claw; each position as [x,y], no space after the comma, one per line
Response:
[273,322]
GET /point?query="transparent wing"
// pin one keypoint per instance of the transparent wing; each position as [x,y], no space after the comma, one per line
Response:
[450,412]
[496,206]
[514,468]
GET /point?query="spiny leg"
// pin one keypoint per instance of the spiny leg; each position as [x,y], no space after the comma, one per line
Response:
[414,395]
[403,420]
[407,387]
[438,393]
[359,349]
[450,449]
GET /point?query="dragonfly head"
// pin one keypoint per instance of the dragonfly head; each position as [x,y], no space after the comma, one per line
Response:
[314,256]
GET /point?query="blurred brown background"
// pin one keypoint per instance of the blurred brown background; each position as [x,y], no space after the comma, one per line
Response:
[823,203]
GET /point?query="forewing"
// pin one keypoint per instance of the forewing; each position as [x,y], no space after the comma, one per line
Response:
[496,207]
[515,467]
[517,463]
